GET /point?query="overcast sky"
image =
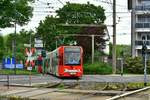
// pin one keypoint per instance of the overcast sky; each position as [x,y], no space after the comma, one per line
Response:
[123,16]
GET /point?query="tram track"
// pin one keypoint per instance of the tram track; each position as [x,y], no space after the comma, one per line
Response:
[62,86]
[82,94]
[119,97]
[42,92]
[48,90]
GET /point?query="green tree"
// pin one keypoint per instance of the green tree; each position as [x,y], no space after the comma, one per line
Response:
[73,14]
[23,37]
[1,47]
[121,50]
[88,13]
[15,10]
[47,30]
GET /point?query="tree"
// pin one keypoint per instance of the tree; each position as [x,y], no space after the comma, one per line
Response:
[84,14]
[1,47]
[88,13]
[23,37]
[121,51]
[47,30]
[73,14]
[15,10]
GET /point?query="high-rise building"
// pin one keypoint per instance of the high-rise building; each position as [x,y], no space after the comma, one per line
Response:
[140,25]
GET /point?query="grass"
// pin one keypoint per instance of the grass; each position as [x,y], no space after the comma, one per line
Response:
[12,98]
[97,68]
[18,72]
[136,85]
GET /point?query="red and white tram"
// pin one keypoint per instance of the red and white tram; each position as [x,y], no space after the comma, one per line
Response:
[65,61]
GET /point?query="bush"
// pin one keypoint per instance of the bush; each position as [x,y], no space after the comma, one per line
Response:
[97,68]
[135,65]
[18,72]
[1,55]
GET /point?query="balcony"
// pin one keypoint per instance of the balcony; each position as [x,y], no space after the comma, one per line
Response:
[139,42]
[142,25]
[142,8]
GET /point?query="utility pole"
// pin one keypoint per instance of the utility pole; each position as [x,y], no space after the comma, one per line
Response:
[15,40]
[92,49]
[114,38]
[30,62]
[144,54]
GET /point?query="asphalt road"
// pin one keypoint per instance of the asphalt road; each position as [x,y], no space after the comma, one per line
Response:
[36,79]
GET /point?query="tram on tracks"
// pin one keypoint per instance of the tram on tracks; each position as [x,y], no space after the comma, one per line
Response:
[65,61]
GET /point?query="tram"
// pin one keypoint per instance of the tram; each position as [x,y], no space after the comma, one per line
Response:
[65,61]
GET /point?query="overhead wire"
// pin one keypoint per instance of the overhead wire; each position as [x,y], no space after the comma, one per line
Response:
[109,3]
[41,2]
[61,2]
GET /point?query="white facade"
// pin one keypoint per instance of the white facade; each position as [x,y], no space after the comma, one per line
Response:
[140,25]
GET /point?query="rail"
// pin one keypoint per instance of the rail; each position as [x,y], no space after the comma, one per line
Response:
[128,93]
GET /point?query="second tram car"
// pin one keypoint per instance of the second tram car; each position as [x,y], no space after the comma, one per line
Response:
[65,61]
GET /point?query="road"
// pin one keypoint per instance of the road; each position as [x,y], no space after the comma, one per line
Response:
[36,79]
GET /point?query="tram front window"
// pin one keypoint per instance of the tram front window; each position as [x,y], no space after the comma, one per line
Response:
[72,56]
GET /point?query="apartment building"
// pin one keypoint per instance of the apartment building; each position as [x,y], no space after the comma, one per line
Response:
[140,25]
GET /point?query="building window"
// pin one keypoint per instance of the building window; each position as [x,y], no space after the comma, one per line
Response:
[143,37]
[148,37]
[141,18]
[148,18]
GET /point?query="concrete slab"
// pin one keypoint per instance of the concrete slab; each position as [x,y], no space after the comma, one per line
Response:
[35,92]
[18,90]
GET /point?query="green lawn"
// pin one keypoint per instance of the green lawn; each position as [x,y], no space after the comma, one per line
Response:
[18,71]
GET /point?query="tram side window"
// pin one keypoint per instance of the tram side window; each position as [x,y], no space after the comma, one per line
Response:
[55,60]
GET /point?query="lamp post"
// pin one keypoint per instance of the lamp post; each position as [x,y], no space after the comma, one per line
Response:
[144,54]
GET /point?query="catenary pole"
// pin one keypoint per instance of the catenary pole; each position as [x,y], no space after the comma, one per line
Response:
[15,40]
[114,38]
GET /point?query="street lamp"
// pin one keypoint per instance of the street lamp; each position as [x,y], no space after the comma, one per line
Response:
[144,54]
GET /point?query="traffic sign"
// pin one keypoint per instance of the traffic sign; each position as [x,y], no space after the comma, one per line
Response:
[38,45]
[30,57]
[29,68]
[27,45]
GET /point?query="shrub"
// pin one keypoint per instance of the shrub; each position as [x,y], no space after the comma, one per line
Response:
[97,68]
[135,65]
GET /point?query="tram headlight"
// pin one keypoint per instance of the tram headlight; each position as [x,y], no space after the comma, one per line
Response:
[79,70]
[65,70]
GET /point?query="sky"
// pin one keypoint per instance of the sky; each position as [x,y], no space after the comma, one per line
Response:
[123,18]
